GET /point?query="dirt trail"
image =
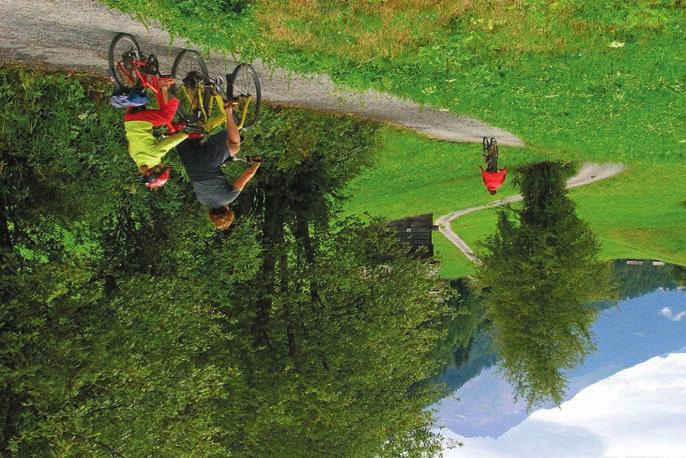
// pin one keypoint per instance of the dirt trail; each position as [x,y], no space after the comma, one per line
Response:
[75,34]
[589,173]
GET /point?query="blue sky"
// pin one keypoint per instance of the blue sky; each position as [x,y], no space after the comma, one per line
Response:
[630,333]
[637,412]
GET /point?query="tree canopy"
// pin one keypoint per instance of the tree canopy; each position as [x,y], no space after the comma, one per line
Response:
[539,273]
[131,328]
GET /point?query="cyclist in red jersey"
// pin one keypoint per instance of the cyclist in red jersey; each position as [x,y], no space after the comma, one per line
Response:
[493,178]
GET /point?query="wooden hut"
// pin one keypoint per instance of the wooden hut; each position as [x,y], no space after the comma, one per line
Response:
[417,231]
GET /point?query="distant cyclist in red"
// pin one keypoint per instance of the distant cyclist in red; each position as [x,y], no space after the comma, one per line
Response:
[493,178]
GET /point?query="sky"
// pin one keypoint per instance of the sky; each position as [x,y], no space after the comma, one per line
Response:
[630,333]
[668,313]
[639,412]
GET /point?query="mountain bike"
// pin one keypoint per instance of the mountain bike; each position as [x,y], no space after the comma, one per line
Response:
[490,154]
[201,98]
[132,69]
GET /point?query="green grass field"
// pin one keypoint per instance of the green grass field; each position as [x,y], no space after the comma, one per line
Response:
[413,175]
[631,216]
[638,213]
[588,78]
[581,80]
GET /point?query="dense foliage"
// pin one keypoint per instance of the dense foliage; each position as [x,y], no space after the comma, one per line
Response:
[540,272]
[463,327]
[636,280]
[130,328]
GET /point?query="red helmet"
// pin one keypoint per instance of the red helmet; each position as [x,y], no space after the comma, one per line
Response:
[156,177]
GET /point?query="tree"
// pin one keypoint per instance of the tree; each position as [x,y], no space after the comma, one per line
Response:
[338,306]
[679,275]
[637,280]
[131,328]
[539,272]
[105,336]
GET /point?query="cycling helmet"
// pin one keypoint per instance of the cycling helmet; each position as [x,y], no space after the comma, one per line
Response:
[156,177]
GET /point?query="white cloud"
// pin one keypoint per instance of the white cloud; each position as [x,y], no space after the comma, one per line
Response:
[638,412]
[667,313]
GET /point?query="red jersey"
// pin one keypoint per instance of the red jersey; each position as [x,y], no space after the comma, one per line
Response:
[493,180]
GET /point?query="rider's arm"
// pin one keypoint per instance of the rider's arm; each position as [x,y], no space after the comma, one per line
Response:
[168,143]
[153,156]
[150,154]
[233,137]
[247,175]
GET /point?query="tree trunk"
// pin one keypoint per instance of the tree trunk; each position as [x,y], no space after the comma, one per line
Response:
[271,226]
[5,239]
[302,233]
[12,407]
[284,288]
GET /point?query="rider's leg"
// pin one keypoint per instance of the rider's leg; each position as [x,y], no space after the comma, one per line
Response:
[163,96]
[157,117]
[167,107]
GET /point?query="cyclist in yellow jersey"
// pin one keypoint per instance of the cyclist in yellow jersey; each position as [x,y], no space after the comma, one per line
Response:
[146,150]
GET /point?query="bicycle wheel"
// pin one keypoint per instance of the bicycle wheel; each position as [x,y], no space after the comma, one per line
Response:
[190,72]
[245,86]
[123,50]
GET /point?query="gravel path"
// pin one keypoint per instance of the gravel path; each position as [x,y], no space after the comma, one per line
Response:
[75,34]
[589,173]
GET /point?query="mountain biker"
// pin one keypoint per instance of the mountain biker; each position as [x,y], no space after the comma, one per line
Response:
[202,160]
[492,177]
[146,150]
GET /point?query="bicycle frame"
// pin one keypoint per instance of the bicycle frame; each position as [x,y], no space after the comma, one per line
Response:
[244,109]
[148,80]
[215,98]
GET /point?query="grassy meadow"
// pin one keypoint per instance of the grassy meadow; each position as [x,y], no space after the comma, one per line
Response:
[630,218]
[601,81]
[634,214]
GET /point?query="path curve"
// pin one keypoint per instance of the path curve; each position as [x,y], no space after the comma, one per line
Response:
[589,173]
[75,34]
